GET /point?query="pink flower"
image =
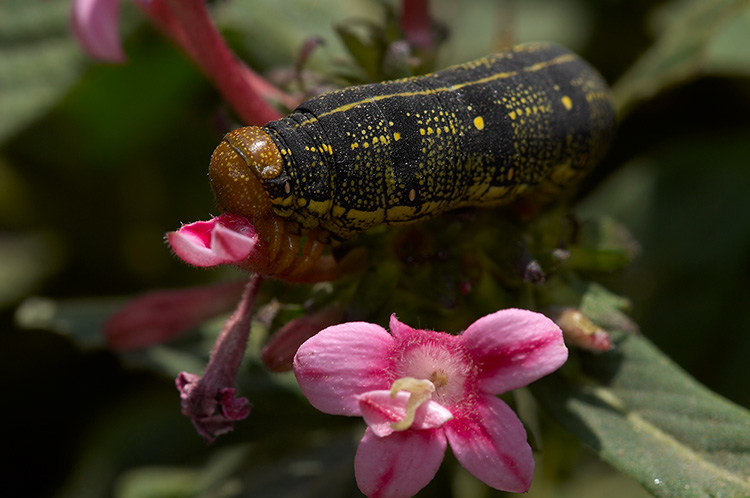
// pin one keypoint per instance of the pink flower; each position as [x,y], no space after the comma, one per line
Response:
[224,239]
[420,390]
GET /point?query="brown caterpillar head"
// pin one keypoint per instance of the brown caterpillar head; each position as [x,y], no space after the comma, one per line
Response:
[239,165]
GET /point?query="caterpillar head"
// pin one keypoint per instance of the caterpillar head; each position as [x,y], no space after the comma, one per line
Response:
[239,165]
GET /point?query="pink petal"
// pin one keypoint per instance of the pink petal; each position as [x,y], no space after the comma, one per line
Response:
[341,362]
[514,347]
[399,330]
[224,239]
[94,23]
[380,410]
[160,315]
[491,444]
[399,465]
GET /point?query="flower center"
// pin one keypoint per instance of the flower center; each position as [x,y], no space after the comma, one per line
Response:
[444,366]
[421,390]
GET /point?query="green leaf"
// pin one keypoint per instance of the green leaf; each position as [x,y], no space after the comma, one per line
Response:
[680,51]
[604,245]
[27,260]
[645,416]
[728,52]
[39,59]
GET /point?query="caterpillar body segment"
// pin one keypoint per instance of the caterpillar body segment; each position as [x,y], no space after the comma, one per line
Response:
[533,119]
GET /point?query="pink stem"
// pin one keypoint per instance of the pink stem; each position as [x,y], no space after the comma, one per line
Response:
[229,348]
[188,23]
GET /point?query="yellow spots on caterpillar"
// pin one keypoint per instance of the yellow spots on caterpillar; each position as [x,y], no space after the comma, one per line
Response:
[479,123]
[396,136]
[355,145]
[512,114]
[566,102]
[422,131]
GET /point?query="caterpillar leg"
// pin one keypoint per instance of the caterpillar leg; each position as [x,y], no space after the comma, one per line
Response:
[290,260]
[286,255]
[311,253]
[276,236]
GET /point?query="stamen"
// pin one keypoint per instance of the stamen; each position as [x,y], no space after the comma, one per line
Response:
[421,390]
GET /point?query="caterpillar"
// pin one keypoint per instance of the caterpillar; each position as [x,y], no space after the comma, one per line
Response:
[531,120]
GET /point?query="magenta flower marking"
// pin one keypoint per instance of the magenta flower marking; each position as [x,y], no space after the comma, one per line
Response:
[419,390]
[224,239]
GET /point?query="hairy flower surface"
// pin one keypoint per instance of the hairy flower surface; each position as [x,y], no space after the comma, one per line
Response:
[419,390]
[225,239]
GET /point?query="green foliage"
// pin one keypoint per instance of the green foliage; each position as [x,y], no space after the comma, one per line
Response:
[39,58]
[98,161]
[644,415]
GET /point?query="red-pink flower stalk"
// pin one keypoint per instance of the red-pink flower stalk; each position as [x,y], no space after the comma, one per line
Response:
[419,390]
[188,22]
[95,24]
[209,400]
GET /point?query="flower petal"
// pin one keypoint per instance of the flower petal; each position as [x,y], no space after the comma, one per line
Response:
[491,444]
[514,347]
[160,315]
[341,362]
[224,239]
[94,23]
[380,410]
[398,465]
[398,329]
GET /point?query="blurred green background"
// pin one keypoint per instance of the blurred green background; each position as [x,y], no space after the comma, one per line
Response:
[98,161]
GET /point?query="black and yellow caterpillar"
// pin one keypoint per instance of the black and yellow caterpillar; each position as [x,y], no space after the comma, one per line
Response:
[534,118]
